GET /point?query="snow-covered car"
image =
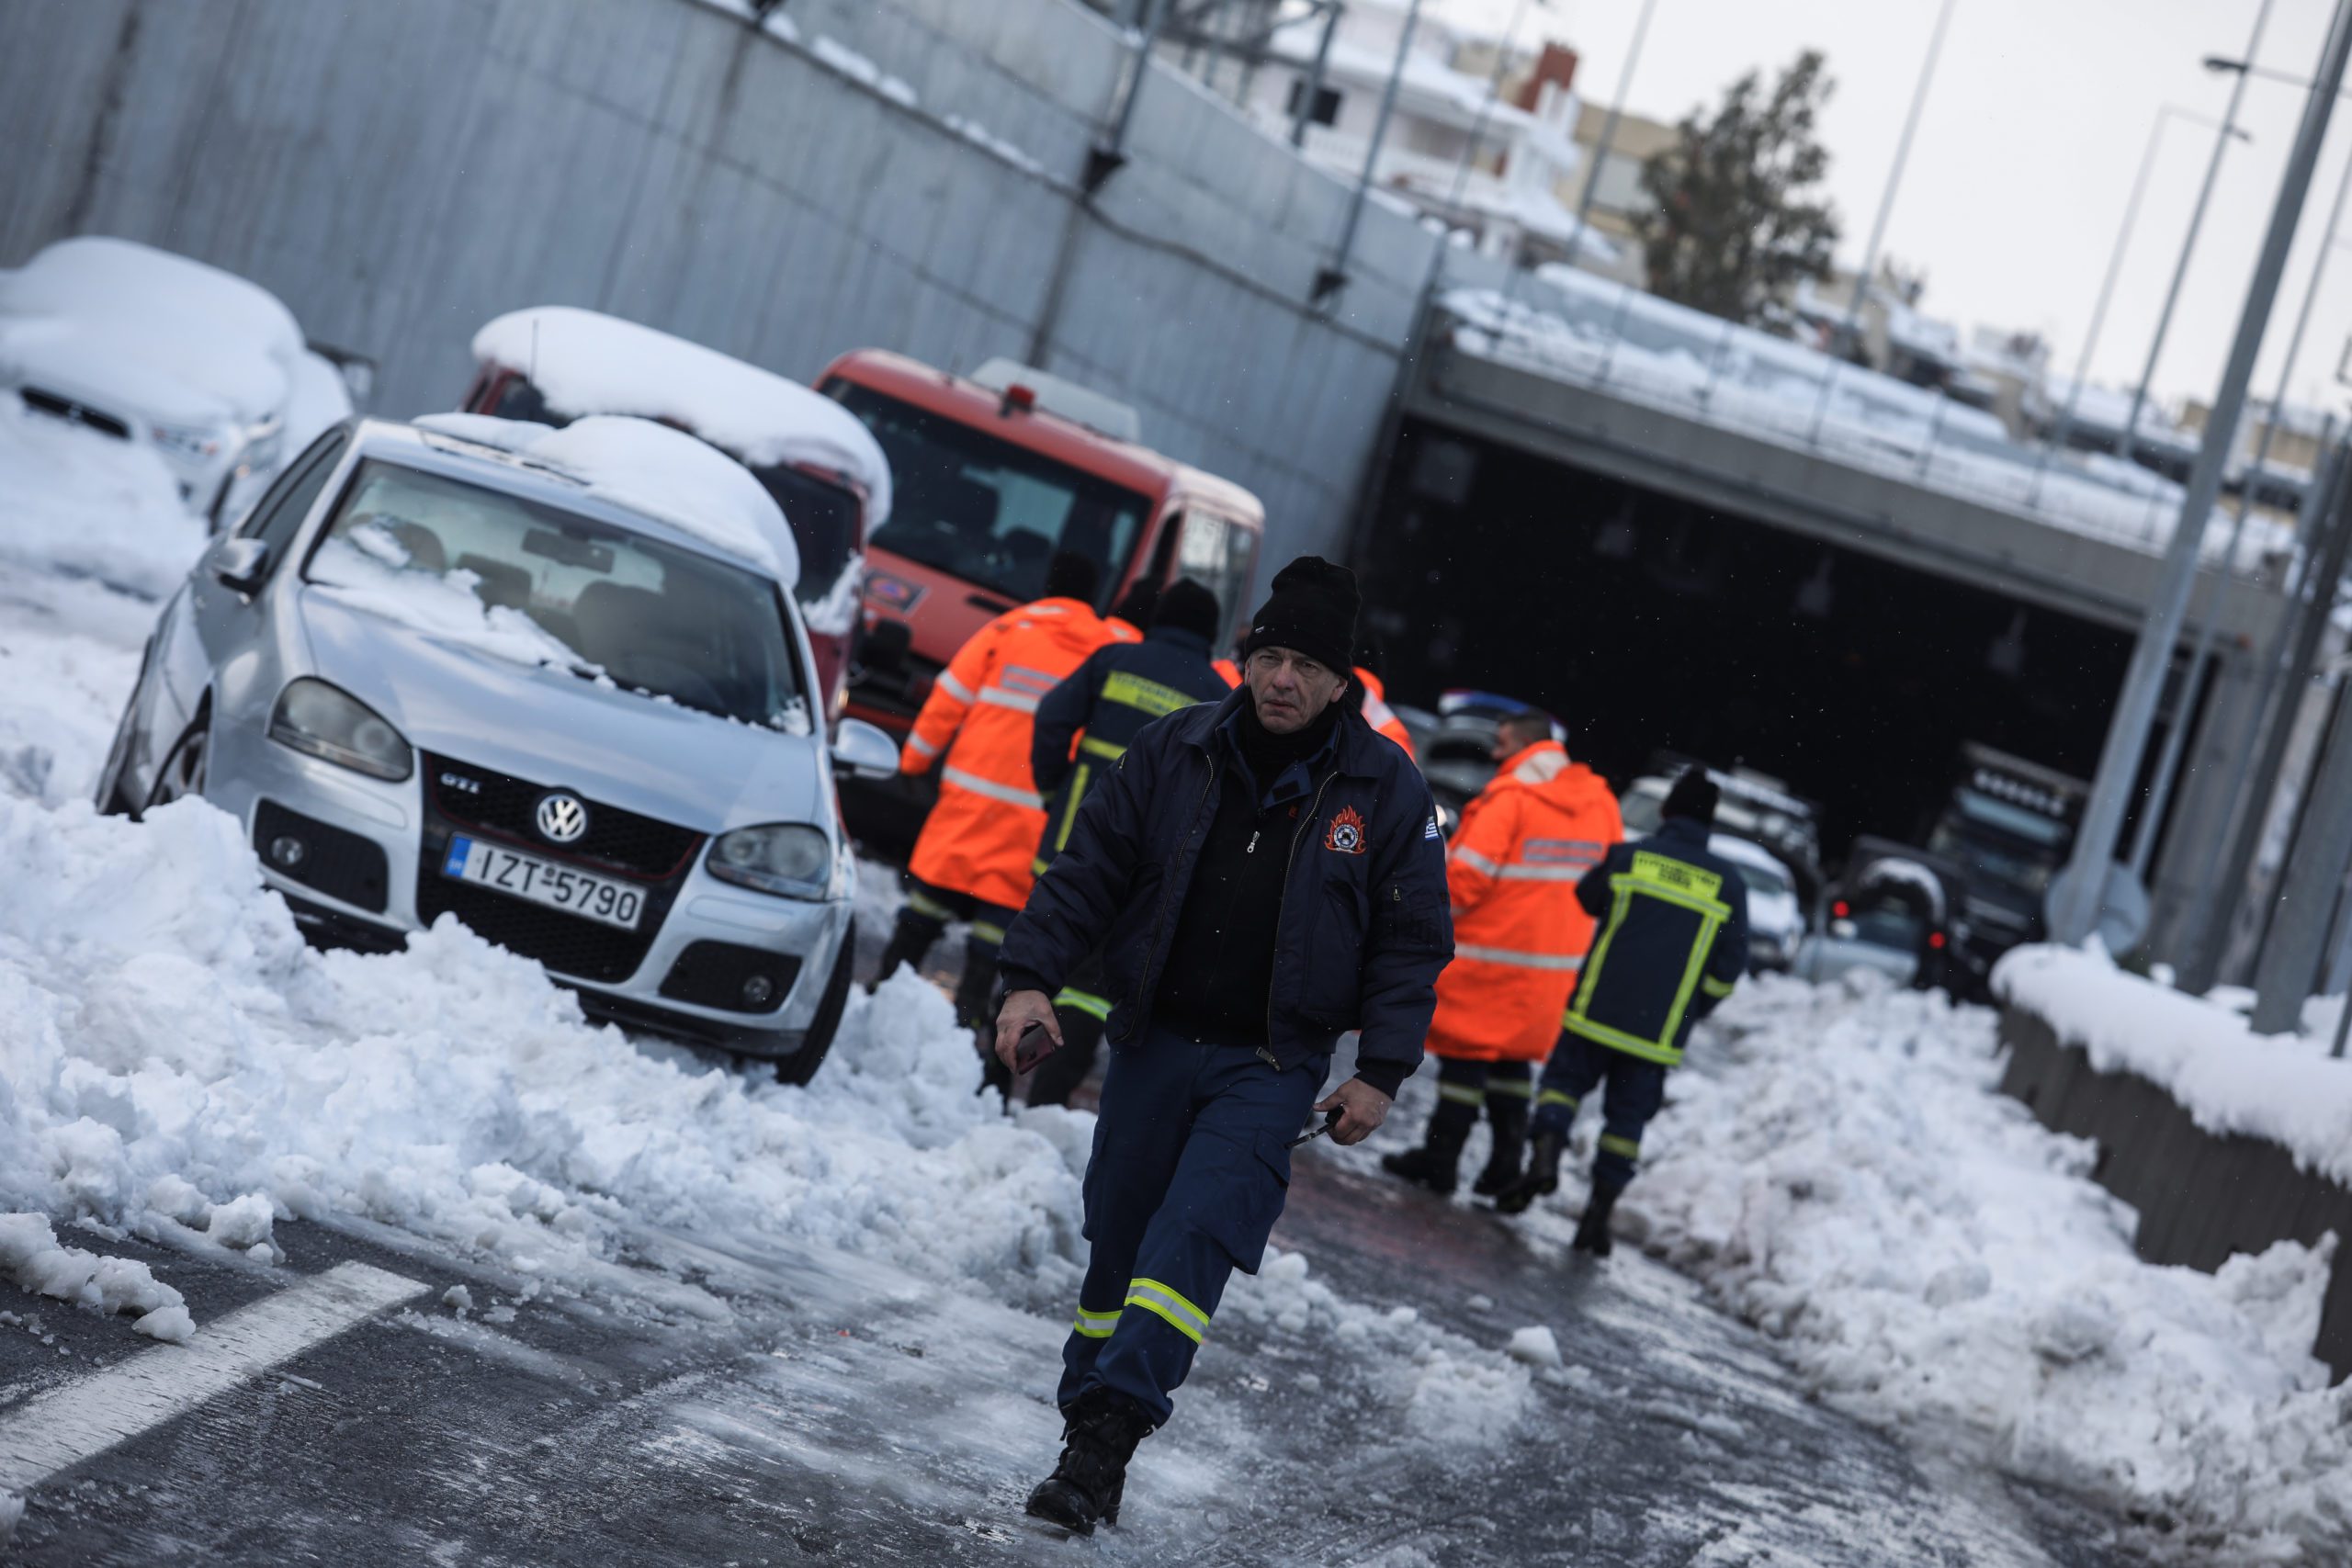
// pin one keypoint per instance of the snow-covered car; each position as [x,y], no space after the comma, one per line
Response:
[553,364]
[1775,915]
[198,366]
[552,682]
[1892,912]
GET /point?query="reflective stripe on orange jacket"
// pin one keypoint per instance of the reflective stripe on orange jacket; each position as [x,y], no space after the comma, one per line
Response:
[982,835]
[1519,935]
[1379,715]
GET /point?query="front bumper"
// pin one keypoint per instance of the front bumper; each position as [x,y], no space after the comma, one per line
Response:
[369,871]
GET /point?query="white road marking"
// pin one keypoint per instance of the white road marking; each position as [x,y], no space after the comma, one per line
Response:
[68,1424]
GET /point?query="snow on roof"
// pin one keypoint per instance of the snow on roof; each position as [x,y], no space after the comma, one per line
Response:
[187,340]
[652,470]
[584,362]
[1426,83]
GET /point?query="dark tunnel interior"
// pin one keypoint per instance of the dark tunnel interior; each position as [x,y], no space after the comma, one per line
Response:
[1647,622]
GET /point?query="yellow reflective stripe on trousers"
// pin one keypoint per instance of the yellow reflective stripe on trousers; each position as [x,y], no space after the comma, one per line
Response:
[1169,1306]
[1511,1088]
[1086,1002]
[1461,1094]
[922,903]
[988,931]
[1096,1325]
[1611,1144]
[1553,1097]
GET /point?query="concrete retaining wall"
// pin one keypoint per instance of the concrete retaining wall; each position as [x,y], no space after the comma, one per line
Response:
[398,173]
[2201,1196]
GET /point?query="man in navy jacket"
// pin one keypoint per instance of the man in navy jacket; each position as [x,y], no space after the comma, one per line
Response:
[1261,875]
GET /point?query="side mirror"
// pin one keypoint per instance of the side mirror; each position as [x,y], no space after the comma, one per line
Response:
[863,751]
[241,563]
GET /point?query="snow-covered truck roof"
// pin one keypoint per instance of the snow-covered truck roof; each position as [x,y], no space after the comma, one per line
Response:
[584,363]
[651,469]
[190,341]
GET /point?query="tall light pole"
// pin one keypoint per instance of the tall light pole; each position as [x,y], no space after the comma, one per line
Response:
[1331,279]
[2107,284]
[1609,123]
[2196,220]
[2144,838]
[1885,206]
[1486,105]
[2076,899]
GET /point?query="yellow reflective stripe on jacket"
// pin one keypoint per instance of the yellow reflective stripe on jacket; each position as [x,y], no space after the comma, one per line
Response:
[1169,1306]
[1110,748]
[1676,882]
[1086,1002]
[1096,1325]
[1130,690]
[1618,1039]
[1076,799]
[1670,881]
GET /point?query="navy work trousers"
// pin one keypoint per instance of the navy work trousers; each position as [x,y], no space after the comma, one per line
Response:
[1636,1091]
[1190,1170]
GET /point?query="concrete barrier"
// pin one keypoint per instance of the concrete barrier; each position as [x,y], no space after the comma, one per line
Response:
[2201,1196]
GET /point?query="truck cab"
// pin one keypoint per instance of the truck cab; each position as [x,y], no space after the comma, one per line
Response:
[996,473]
[2011,823]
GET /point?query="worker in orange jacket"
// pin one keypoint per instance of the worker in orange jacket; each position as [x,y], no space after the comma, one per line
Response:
[972,858]
[1371,695]
[1519,937]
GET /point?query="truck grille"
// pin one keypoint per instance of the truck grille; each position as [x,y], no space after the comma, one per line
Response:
[502,807]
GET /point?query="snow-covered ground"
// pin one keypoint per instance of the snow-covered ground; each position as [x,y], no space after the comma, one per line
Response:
[1838,1166]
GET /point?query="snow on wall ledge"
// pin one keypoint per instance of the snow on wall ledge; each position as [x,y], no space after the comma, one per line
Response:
[2284,1088]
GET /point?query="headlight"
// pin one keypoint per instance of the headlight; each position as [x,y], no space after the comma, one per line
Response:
[790,859]
[314,717]
[192,441]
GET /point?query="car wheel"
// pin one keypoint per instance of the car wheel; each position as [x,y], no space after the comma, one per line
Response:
[182,774]
[802,1065]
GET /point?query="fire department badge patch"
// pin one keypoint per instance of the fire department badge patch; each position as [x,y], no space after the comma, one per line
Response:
[1346,833]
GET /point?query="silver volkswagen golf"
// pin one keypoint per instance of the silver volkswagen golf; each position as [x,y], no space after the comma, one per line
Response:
[434,676]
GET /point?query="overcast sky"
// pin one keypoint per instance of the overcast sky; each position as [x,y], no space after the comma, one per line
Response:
[2034,126]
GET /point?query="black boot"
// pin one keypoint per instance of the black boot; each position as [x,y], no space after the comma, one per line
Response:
[1436,1165]
[1592,1231]
[910,940]
[1507,1115]
[1100,1432]
[1542,1178]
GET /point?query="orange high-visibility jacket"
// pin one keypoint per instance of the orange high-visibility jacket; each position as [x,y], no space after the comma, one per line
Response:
[982,836]
[1379,715]
[1227,671]
[1519,935]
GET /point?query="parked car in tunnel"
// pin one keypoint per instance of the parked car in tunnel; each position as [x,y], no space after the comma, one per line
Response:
[1896,910]
[553,364]
[553,683]
[198,366]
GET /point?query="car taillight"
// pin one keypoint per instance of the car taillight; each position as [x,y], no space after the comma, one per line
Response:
[1935,939]
[1841,908]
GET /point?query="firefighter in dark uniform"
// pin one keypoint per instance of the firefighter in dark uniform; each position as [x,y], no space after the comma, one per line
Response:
[1084,726]
[1261,875]
[1673,941]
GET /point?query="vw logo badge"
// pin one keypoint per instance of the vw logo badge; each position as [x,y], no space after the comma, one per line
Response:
[562,818]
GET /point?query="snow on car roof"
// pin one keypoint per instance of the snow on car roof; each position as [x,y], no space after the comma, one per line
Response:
[185,340]
[584,362]
[1909,873]
[650,468]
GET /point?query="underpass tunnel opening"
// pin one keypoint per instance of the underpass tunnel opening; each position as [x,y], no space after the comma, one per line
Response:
[1648,622]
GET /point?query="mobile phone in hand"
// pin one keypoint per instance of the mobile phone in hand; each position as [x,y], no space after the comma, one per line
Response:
[1033,1046]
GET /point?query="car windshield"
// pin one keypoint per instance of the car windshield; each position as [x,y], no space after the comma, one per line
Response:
[1882,925]
[533,581]
[987,511]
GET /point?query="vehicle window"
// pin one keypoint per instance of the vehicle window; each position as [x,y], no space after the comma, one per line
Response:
[278,514]
[1882,925]
[825,518]
[987,511]
[1764,879]
[1216,554]
[2025,866]
[524,579]
[518,398]
[2008,819]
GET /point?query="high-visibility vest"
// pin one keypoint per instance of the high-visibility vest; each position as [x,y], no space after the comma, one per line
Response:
[1519,935]
[1379,715]
[982,835]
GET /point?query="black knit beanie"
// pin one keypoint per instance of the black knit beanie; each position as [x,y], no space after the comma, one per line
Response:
[1312,611]
[1693,797]
[1186,606]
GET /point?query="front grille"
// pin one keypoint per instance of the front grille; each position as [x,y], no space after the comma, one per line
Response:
[338,863]
[503,807]
[713,974]
[71,412]
[565,943]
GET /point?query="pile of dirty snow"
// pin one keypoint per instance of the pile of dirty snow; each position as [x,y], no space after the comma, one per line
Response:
[1838,1166]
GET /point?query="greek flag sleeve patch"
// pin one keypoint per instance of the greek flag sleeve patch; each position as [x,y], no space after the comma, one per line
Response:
[1431,832]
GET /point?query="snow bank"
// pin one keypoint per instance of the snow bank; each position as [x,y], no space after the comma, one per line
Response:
[161,1022]
[2283,1087]
[649,469]
[77,502]
[30,1255]
[1838,1166]
[587,363]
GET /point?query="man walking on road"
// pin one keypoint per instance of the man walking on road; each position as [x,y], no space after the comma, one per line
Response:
[1518,937]
[1672,946]
[972,860]
[1084,726]
[1261,875]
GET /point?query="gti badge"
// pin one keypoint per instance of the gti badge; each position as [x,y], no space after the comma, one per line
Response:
[560,817]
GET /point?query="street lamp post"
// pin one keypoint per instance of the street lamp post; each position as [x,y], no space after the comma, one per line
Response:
[1331,279]
[2075,900]
[1609,122]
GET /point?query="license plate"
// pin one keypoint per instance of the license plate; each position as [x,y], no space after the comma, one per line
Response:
[584,893]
